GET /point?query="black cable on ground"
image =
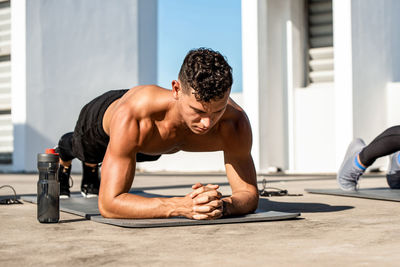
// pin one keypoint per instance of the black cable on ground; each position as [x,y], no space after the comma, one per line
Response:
[9,201]
[269,191]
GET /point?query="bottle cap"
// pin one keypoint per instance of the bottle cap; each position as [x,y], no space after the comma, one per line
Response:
[49,156]
[51,151]
[42,157]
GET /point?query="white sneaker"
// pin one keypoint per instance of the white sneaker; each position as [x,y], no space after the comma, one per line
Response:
[350,170]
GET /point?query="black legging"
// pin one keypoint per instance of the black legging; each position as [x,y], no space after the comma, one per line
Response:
[384,144]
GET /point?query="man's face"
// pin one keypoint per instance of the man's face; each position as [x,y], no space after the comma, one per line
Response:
[200,117]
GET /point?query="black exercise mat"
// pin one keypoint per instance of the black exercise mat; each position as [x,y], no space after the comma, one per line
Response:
[78,205]
[87,207]
[370,193]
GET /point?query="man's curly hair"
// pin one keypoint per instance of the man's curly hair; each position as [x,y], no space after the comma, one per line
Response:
[207,72]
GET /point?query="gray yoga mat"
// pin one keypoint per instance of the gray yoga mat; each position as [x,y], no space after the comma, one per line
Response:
[370,193]
[146,223]
[87,207]
[78,205]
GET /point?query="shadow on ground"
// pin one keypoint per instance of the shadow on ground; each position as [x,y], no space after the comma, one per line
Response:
[73,220]
[302,207]
[267,204]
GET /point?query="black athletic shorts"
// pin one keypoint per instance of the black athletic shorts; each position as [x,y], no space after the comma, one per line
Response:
[89,142]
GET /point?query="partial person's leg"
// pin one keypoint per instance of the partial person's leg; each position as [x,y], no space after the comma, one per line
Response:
[64,149]
[384,144]
[359,157]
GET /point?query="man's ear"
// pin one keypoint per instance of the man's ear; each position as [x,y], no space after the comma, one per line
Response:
[176,88]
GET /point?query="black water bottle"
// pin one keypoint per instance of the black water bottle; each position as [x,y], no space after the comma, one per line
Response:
[48,187]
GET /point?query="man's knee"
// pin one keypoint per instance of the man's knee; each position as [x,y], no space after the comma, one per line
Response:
[64,147]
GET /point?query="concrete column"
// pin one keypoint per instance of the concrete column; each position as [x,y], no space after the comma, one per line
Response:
[364,36]
[342,34]
[251,61]
[269,31]
[18,81]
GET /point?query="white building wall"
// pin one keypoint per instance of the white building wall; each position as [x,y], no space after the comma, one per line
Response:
[372,67]
[329,118]
[68,52]
[309,129]
[374,63]
[75,50]
[393,107]
[314,129]
[395,40]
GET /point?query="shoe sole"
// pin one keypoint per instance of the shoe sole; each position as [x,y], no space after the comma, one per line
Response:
[64,197]
[89,195]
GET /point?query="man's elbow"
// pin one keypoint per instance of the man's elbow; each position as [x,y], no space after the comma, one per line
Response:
[105,208]
[253,202]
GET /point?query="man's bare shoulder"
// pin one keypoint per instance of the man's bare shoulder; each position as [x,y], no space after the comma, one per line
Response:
[140,104]
[234,126]
[146,100]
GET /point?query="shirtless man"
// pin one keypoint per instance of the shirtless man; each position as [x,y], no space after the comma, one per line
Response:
[123,127]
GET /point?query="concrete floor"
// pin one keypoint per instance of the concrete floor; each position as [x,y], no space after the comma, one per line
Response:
[332,231]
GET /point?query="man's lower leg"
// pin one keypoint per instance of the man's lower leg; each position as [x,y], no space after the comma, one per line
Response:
[64,173]
[90,180]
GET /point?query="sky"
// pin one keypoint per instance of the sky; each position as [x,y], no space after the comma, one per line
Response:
[187,24]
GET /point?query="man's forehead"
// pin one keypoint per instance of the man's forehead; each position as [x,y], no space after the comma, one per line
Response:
[212,105]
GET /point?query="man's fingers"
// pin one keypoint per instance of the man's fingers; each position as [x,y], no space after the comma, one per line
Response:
[199,188]
[201,200]
[197,191]
[203,208]
[200,216]
[208,207]
[216,203]
[213,186]
[197,185]
[215,214]
[206,197]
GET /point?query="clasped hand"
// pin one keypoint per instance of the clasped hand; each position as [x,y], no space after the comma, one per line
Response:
[206,202]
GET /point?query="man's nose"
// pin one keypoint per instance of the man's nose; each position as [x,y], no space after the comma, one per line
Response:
[206,121]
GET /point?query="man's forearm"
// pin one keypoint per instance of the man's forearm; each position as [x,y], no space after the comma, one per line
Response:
[134,207]
[240,203]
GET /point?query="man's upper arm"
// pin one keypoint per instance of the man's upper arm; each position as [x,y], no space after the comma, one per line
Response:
[119,162]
